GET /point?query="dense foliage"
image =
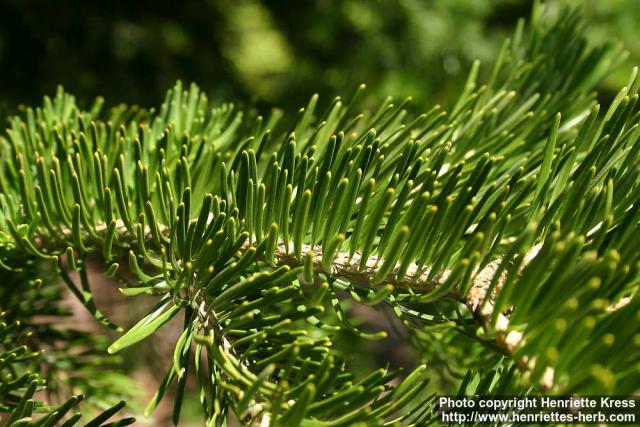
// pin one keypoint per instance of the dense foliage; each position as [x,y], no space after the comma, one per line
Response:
[498,232]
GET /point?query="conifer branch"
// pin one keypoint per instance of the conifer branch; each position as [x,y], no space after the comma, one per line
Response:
[507,218]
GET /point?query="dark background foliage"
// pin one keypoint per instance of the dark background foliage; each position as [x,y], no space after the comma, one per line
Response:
[272,53]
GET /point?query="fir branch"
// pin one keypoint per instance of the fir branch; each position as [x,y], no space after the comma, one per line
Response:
[507,218]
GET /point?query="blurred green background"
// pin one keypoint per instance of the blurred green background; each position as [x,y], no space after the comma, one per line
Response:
[269,53]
